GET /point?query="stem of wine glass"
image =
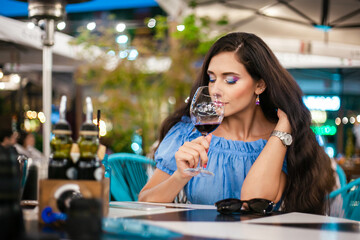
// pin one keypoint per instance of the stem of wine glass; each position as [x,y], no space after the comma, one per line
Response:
[204,134]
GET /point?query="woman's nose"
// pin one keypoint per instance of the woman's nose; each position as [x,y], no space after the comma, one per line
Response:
[216,92]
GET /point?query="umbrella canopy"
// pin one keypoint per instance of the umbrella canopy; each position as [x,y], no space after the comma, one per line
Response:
[315,27]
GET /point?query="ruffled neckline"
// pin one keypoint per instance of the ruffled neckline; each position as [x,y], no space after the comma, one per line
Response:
[235,145]
[222,143]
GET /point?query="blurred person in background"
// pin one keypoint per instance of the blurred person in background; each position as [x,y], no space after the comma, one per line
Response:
[11,219]
[26,145]
[8,139]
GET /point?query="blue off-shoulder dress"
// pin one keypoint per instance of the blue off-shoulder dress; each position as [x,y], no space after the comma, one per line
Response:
[229,160]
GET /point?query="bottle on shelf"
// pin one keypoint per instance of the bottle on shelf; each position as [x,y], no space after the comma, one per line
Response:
[88,165]
[60,164]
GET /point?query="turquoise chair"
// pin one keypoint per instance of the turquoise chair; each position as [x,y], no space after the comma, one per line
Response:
[128,175]
[342,177]
[351,199]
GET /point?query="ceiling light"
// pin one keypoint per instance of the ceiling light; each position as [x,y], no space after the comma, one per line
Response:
[151,23]
[31,25]
[122,39]
[180,28]
[120,27]
[61,26]
[133,54]
[91,26]
[15,78]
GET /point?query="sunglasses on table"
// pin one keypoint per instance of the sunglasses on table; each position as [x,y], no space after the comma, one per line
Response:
[256,205]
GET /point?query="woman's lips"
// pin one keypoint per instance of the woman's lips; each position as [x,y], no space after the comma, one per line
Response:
[221,103]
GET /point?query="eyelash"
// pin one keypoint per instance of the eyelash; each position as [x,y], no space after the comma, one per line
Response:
[228,79]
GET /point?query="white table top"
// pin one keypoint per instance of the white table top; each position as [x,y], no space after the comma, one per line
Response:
[284,226]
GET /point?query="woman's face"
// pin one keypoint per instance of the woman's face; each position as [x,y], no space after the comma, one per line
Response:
[29,140]
[230,79]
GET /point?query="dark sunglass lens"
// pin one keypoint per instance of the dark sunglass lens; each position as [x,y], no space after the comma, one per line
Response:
[261,205]
[228,206]
[227,201]
[270,207]
[227,209]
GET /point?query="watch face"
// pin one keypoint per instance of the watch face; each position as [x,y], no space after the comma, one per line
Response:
[287,139]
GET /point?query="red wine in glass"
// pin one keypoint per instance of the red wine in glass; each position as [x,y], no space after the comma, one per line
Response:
[206,128]
[207,113]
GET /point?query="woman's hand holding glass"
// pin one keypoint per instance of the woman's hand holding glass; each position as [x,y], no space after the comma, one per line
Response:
[191,154]
[207,113]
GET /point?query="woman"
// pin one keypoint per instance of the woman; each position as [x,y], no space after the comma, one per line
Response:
[247,152]
[26,146]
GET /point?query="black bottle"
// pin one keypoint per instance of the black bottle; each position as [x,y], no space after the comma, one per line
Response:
[88,165]
[60,164]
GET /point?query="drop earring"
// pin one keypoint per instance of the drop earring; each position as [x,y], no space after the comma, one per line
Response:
[257,102]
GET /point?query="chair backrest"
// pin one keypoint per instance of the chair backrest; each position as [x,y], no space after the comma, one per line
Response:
[128,175]
[351,198]
[342,177]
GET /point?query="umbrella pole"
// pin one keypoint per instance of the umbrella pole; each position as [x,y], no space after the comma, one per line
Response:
[48,42]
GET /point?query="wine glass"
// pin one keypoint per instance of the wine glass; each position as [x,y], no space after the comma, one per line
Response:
[206,112]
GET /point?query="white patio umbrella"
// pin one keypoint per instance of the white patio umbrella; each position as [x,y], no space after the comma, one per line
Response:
[328,28]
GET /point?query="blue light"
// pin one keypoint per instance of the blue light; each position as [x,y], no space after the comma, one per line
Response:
[111,53]
[328,103]
[336,77]
[133,54]
[320,140]
[122,39]
[55,117]
[330,151]
[135,147]
[323,28]
[136,144]
[123,54]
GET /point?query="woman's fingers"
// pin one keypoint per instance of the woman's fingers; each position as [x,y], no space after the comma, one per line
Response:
[192,152]
[204,141]
[281,114]
[201,151]
[184,159]
[208,138]
[283,123]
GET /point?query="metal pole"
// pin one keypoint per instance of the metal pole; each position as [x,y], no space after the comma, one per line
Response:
[48,41]
[48,11]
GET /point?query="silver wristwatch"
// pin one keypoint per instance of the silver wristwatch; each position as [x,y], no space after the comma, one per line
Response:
[285,138]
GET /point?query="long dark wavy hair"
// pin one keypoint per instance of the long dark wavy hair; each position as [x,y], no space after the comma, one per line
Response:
[310,176]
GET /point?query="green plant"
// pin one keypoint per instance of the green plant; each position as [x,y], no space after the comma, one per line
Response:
[134,97]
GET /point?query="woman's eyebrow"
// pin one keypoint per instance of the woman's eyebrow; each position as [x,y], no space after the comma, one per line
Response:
[224,73]
[230,73]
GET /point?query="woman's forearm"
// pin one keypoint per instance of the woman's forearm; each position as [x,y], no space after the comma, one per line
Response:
[161,188]
[265,178]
